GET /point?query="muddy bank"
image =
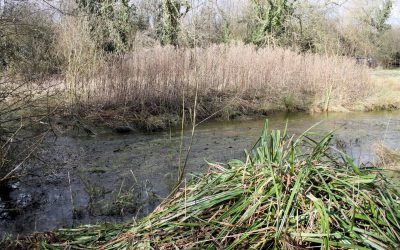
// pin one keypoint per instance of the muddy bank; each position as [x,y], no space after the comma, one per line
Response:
[83,178]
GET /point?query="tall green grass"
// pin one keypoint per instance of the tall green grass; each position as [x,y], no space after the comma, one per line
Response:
[287,194]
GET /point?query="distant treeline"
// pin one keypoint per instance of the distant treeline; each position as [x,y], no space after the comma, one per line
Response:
[37,37]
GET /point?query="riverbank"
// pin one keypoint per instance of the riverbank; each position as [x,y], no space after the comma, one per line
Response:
[281,195]
[387,91]
[152,88]
[333,90]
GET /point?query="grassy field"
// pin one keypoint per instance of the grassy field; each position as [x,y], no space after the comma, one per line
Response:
[387,91]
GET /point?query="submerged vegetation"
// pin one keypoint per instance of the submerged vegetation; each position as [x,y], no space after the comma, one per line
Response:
[288,194]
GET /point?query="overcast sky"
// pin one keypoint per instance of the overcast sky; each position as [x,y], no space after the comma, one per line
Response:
[395,18]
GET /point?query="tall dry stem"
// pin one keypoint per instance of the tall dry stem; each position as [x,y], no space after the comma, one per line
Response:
[251,80]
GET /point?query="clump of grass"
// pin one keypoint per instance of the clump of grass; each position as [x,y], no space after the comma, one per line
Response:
[288,194]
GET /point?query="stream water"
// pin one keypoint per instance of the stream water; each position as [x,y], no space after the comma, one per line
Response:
[80,179]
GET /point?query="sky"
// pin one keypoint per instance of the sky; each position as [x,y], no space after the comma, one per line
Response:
[395,18]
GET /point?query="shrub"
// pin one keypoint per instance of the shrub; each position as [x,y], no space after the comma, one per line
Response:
[27,41]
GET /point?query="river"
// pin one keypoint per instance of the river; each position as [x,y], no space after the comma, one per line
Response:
[79,179]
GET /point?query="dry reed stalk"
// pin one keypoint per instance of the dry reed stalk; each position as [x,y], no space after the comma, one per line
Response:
[152,81]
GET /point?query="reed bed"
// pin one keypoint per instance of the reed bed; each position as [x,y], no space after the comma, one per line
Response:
[288,194]
[234,78]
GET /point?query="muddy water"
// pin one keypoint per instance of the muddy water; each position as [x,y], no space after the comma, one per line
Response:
[80,179]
